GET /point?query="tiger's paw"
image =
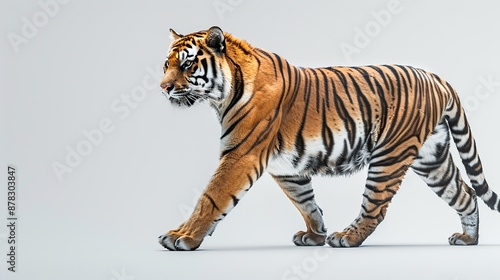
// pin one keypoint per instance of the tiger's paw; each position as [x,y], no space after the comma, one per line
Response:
[177,242]
[303,238]
[462,239]
[343,239]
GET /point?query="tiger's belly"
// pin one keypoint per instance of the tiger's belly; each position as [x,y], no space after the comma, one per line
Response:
[342,159]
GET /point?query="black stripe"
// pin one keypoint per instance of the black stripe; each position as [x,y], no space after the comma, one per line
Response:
[365,107]
[343,113]
[408,152]
[402,125]
[214,68]
[270,58]
[225,152]
[341,77]
[469,201]
[327,137]
[315,82]
[299,138]
[235,200]
[375,190]
[212,201]
[295,180]
[367,77]
[377,202]
[289,74]
[382,74]
[205,67]
[238,87]
[453,201]
[377,217]
[305,193]
[309,198]
[326,93]
[446,178]
[250,180]
[261,164]
[233,125]
[492,201]
[280,141]
[386,178]
[256,172]
[298,78]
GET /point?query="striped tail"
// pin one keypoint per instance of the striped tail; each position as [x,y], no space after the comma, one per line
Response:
[466,145]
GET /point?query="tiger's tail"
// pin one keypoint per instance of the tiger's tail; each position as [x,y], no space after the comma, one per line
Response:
[466,146]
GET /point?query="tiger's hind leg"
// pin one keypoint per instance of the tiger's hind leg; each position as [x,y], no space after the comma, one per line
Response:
[435,166]
[299,190]
[385,174]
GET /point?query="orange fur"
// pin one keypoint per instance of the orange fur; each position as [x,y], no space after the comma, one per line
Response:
[299,122]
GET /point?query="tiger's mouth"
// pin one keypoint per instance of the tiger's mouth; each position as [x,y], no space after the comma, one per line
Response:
[184,97]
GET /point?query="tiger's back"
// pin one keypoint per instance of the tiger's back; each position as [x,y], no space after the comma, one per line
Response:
[298,122]
[347,112]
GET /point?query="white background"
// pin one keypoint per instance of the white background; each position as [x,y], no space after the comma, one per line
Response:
[77,67]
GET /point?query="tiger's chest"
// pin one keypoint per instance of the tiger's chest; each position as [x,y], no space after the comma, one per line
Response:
[317,158]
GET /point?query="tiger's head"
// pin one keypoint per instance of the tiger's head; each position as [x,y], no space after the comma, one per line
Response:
[195,66]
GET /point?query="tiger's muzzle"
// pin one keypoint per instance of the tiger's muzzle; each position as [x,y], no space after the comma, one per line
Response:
[181,97]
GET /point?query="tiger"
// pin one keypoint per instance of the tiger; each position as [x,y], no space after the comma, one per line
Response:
[296,122]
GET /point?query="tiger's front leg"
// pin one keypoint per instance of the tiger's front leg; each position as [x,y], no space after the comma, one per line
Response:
[231,181]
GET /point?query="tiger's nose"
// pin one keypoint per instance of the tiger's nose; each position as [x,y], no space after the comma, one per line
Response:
[167,86]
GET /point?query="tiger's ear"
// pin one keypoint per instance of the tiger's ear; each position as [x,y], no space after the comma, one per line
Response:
[174,35]
[215,39]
